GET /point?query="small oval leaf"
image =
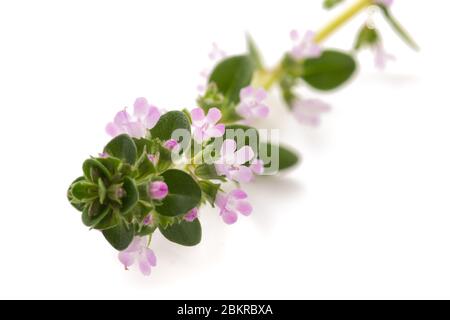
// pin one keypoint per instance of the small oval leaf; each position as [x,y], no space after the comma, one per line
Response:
[184,233]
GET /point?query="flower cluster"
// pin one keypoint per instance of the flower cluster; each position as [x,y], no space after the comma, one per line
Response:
[160,169]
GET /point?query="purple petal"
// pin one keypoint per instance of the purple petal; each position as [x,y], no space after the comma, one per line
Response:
[198,135]
[152,117]
[141,107]
[112,129]
[262,111]
[246,92]
[197,114]
[158,190]
[122,118]
[294,35]
[228,148]
[260,94]
[221,201]
[171,144]
[229,217]
[213,115]
[309,36]
[244,207]
[244,110]
[257,166]
[148,220]
[151,257]
[238,194]
[191,215]
[216,131]
[243,174]
[222,169]
[126,258]
[136,129]
[144,264]
[244,155]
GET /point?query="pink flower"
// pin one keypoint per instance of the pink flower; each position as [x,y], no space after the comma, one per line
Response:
[158,190]
[257,166]
[138,251]
[148,220]
[206,127]
[386,3]
[251,105]
[153,158]
[144,117]
[171,144]
[231,162]
[231,204]
[381,56]
[306,47]
[214,55]
[191,215]
[308,111]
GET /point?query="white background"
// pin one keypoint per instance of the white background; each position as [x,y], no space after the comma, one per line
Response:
[365,216]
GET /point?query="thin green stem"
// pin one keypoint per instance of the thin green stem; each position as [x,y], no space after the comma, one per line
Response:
[344,17]
[267,78]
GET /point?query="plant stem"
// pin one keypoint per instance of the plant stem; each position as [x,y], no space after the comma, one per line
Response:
[351,11]
[267,78]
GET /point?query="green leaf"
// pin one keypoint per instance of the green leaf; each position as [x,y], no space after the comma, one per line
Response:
[329,4]
[74,202]
[209,191]
[84,191]
[102,191]
[254,53]
[93,169]
[111,164]
[123,148]
[168,123]
[184,233]
[144,166]
[120,236]
[232,74]
[398,28]
[286,158]
[131,197]
[108,222]
[328,71]
[93,214]
[367,36]
[207,171]
[184,193]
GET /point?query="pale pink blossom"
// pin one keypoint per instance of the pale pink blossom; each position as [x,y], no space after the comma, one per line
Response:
[171,145]
[304,47]
[381,57]
[257,166]
[145,117]
[231,204]
[206,127]
[231,162]
[191,215]
[308,111]
[251,105]
[148,220]
[158,190]
[214,56]
[138,252]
